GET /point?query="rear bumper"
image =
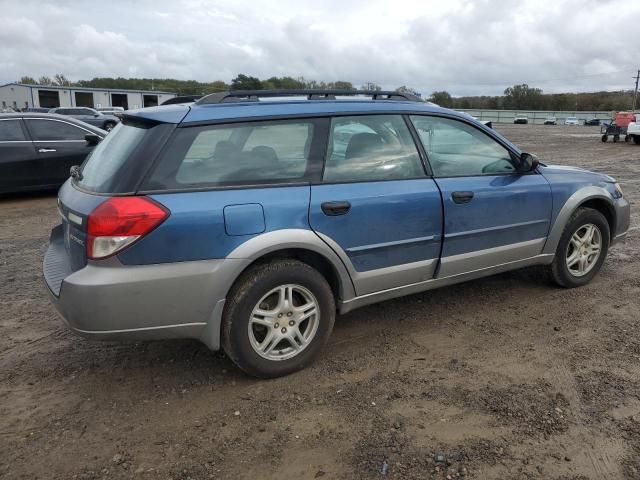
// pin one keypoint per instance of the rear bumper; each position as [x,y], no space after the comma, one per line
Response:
[110,301]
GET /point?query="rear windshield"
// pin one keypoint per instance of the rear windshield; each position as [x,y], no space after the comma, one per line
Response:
[109,156]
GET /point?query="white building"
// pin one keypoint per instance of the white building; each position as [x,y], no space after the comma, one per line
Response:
[20,95]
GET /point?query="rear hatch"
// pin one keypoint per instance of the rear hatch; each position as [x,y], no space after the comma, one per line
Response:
[115,168]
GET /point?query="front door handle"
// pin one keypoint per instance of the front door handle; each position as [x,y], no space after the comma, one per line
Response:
[46,150]
[462,197]
[335,208]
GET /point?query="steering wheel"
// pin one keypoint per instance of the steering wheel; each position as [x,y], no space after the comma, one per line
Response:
[499,166]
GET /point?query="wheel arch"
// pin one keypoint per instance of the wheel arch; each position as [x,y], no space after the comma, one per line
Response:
[302,245]
[591,197]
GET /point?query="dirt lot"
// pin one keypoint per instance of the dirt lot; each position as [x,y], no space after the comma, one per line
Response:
[506,377]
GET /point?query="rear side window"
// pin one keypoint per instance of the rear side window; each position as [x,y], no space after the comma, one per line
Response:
[239,154]
[52,130]
[11,131]
[370,148]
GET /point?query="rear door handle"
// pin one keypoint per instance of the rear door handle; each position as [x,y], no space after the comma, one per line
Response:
[462,197]
[334,209]
[46,150]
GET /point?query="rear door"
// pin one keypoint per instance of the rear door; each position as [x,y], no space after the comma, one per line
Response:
[493,214]
[375,205]
[17,156]
[59,146]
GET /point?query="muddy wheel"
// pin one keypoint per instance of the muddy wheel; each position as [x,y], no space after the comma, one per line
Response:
[604,138]
[616,138]
[278,318]
[636,139]
[582,249]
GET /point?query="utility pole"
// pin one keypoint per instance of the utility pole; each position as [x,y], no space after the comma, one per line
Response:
[635,92]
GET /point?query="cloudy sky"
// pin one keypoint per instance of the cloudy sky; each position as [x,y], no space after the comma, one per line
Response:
[462,46]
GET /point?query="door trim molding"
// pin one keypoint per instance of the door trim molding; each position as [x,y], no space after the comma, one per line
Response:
[478,259]
[494,229]
[367,299]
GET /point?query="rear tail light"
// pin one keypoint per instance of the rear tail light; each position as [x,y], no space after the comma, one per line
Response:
[119,222]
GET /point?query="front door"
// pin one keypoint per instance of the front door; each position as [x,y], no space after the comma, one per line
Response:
[493,215]
[17,155]
[375,205]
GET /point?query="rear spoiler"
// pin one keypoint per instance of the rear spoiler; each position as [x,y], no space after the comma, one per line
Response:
[487,123]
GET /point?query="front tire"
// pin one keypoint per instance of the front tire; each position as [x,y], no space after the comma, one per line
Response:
[582,249]
[277,319]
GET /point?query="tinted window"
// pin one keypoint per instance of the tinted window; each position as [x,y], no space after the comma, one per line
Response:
[11,131]
[49,130]
[250,153]
[110,154]
[371,147]
[455,148]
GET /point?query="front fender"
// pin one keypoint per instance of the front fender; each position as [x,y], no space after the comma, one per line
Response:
[573,202]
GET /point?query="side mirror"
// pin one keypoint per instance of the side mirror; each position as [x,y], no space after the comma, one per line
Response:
[92,139]
[528,163]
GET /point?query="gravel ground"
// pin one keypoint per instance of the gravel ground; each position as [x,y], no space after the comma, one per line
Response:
[505,377]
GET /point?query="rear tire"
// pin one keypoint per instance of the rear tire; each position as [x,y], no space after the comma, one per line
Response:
[604,138]
[616,138]
[636,139]
[268,326]
[565,269]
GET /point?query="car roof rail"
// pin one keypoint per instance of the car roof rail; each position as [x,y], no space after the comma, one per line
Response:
[311,94]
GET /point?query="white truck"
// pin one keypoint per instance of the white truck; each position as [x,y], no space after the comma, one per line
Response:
[633,131]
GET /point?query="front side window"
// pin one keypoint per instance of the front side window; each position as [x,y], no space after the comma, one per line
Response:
[370,148]
[11,131]
[455,148]
[53,130]
[248,153]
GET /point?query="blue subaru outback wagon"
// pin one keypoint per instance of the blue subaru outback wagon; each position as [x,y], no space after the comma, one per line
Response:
[248,219]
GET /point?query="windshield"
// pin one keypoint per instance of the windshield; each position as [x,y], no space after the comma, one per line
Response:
[109,155]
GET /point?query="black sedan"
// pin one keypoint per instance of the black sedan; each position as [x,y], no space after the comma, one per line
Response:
[37,149]
[592,122]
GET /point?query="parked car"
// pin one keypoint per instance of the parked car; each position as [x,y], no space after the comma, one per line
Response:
[633,132]
[521,119]
[248,225]
[182,99]
[117,111]
[37,150]
[89,115]
[551,121]
[36,109]
[571,121]
[592,122]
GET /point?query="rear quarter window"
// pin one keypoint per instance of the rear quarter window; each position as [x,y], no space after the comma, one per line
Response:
[239,154]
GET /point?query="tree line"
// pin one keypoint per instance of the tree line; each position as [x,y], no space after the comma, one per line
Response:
[516,97]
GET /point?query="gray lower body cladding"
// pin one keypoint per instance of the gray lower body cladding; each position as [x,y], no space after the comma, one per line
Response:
[178,300]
